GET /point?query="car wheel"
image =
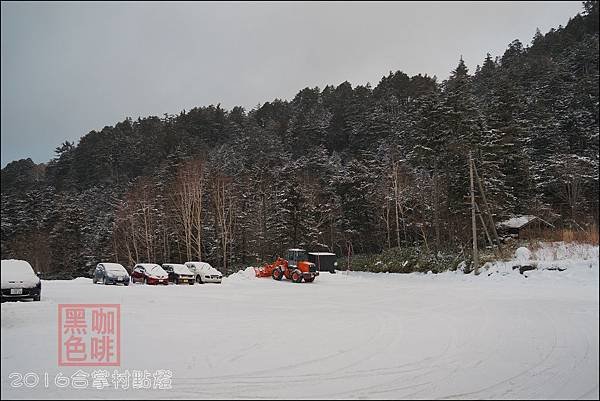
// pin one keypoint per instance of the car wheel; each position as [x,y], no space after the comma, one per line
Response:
[296,276]
[145,280]
[199,279]
[104,280]
[37,297]
[309,279]
[277,274]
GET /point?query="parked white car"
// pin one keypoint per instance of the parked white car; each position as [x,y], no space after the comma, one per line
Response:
[204,272]
[19,281]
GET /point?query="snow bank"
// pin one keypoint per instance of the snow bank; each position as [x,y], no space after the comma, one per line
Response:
[556,251]
[576,261]
[82,280]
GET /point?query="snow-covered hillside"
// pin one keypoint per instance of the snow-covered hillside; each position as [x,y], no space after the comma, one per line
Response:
[358,335]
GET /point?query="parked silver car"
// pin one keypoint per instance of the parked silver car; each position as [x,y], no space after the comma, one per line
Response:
[110,273]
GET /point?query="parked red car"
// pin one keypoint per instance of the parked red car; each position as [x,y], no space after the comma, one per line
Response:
[149,273]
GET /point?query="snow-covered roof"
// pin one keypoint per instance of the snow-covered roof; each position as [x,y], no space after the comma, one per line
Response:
[113,266]
[517,221]
[147,265]
[297,250]
[520,221]
[322,253]
[198,264]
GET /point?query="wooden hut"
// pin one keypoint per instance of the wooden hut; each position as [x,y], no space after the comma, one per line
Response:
[523,226]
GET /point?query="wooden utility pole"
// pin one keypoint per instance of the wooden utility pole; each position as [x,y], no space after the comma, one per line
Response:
[349,246]
[486,206]
[487,234]
[396,202]
[473,217]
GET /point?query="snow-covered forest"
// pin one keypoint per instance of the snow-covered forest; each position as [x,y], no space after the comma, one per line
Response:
[364,168]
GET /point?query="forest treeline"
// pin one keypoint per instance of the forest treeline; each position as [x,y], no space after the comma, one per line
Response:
[339,168]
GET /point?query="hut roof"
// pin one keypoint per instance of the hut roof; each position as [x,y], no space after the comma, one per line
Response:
[521,221]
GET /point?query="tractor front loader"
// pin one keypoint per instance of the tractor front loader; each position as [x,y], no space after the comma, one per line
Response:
[296,268]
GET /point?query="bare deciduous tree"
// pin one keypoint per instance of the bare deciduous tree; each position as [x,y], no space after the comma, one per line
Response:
[222,193]
[187,198]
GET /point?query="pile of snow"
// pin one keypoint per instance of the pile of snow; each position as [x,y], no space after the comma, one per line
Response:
[246,274]
[522,254]
[82,280]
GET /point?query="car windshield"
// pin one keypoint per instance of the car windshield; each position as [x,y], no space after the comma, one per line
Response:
[115,269]
[180,269]
[16,269]
[156,270]
[200,267]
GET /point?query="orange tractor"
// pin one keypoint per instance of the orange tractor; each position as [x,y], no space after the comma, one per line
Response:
[296,267]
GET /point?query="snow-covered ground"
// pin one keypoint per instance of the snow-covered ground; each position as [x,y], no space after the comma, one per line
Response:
[359,335]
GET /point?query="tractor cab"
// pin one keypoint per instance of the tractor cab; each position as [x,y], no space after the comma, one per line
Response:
[296,255]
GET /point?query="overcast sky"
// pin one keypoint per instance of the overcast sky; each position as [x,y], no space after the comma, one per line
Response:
[70,68]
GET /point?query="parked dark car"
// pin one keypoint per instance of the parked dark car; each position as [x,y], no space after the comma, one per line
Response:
[179,274]
[325,261]
[19,281]
[149,273]
[110,273]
